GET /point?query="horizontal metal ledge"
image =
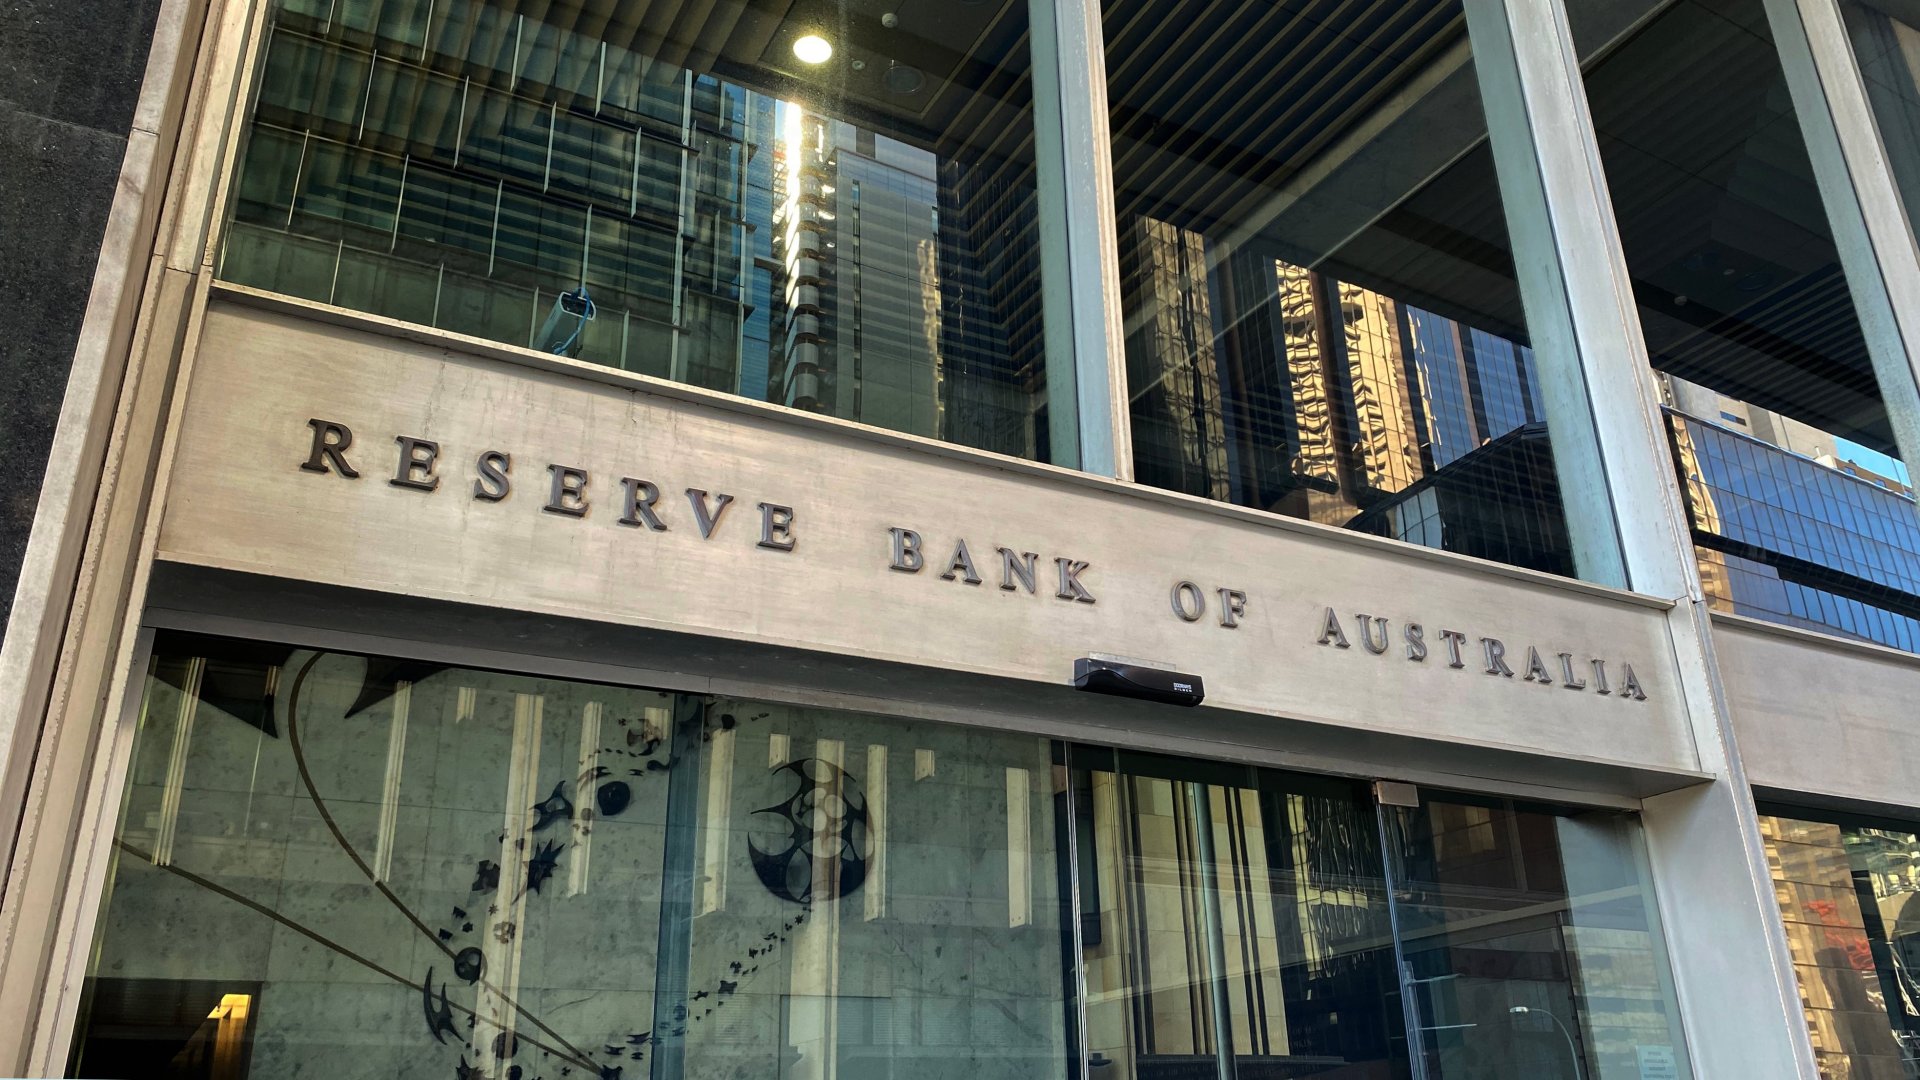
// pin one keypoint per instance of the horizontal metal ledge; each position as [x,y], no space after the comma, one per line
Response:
[220,601]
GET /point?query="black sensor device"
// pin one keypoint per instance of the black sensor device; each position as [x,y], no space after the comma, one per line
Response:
[1123,679]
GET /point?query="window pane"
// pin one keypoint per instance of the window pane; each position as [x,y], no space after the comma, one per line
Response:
[1530,943]
[1231,917]
[873,898]
[1844,892]
[1748,318]
[1886,43]
[329,864]
[689,197]
[1322,317]
[334,865]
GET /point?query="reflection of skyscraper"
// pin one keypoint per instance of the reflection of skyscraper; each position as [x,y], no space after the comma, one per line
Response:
[1383,431]
[1788,536]
[882,312]
[1315,456]
[1275,386]
[1173,374]
[1440,357]
[727,238]
[800,370]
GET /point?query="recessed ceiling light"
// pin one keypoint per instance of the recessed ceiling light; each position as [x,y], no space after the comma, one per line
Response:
[813,49]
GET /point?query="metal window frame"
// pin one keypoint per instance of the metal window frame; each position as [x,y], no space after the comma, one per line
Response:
[1068,38]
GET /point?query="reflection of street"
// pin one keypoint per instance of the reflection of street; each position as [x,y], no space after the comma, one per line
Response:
[1511,919]
[1849,899]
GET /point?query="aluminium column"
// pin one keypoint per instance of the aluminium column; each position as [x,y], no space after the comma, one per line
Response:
[1086,358]
[1739,1005]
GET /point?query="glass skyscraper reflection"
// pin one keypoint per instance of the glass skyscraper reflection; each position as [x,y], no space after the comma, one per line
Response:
[1785,538]
[1286,389]
[534,180]
[1846,889]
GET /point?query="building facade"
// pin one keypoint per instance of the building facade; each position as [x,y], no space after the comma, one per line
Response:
[870,539]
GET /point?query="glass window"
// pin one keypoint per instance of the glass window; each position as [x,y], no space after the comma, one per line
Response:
[833,207]
[871,898]
[332,865]
[1742,300]
[1232,919]
[1530,943]
[1886,43]
[1322,317]
[1844,890]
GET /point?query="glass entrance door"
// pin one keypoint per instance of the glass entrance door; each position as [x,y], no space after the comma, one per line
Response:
[1234,923]
[1528,943]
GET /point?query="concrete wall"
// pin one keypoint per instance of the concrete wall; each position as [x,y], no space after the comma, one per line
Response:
[70,71]
[1821,717]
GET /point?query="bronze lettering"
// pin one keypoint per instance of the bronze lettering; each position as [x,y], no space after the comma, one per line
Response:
[1070,586]
[566,491]
[906,551]
[1375,634]
[707,519]
[1537,668]
[1566,672]
[962,565]
[1017,568]
[639,497]
[1368,624]
[776,527]
[330,442]
[1496,657]
[1190,603]
[492,484]
[1630,684]
[1330,632]
[1233,606]
[416,464]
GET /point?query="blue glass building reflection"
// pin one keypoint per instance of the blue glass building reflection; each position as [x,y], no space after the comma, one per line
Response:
[1286,389]
[1787,539]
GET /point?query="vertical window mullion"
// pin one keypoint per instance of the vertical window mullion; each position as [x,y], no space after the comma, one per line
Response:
[1622,507]
[1086,362]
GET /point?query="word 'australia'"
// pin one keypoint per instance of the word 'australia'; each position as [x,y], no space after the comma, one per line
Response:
[1376,636]
[1018,569]
[566,489]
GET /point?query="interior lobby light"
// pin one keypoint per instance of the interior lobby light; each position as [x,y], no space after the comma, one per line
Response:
[813,49]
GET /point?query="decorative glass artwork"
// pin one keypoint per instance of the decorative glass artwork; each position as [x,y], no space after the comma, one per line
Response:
[333,867]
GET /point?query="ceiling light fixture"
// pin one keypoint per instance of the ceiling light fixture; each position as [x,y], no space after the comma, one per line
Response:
[902,79]
[813,49]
